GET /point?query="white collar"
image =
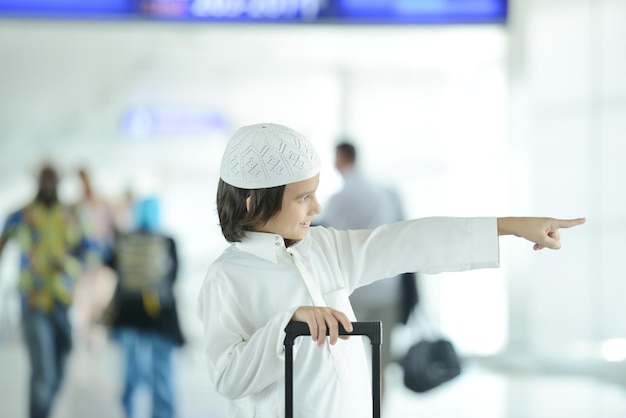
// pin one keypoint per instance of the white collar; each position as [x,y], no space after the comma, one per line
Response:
[265,245]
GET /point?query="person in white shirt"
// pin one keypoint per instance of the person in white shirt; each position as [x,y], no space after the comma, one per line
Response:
[278,269]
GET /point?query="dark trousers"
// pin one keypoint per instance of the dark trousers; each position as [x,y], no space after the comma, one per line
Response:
[48,337]
[148,359]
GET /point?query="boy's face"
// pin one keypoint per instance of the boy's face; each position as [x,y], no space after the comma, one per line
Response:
[298,208]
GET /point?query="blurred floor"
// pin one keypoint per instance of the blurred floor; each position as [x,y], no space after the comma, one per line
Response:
[92,386]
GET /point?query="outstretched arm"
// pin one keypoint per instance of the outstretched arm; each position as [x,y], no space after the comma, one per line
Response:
[543,232]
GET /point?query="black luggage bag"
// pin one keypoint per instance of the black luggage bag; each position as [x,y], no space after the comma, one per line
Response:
[371,329]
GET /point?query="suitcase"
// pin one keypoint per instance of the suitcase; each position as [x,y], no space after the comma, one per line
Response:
[371,329]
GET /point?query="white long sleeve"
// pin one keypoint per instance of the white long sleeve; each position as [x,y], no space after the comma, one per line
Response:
[253,288]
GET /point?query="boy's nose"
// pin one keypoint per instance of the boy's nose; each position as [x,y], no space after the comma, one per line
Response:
[317,208]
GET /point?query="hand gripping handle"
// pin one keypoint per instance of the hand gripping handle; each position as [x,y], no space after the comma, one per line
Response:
[373,330]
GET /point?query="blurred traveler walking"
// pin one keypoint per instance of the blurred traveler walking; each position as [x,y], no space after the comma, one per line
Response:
[363,203]
[52,248]
[94,290]
[96,216]
[123,211]
[143,310]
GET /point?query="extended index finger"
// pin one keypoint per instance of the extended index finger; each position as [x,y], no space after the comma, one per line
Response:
[568,223]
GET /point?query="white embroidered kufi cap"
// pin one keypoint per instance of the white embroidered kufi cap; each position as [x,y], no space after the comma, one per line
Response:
[268,155]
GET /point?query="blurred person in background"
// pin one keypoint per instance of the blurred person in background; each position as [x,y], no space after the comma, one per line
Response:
[123,211]
[363,203]
[96,215]
[95,288]
[53,248]
[143,313]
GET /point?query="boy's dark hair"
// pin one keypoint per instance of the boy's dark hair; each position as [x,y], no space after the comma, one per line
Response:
[234,217]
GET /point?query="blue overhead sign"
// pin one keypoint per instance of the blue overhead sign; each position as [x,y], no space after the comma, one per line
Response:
[68,8]
[270,11]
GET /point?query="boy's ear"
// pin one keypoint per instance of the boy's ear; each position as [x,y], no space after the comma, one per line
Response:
[248,203]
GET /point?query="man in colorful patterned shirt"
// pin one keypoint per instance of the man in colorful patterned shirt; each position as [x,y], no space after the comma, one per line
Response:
[51,245]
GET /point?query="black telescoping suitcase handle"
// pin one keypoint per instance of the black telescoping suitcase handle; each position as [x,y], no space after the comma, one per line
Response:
[373,330]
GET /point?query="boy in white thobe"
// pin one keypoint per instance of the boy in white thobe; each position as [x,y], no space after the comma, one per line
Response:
[280,269]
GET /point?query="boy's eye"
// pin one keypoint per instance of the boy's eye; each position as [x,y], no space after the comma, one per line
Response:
[304,198]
